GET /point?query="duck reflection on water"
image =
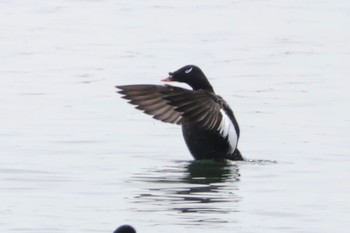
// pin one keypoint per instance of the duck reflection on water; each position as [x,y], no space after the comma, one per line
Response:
[195,186]
[208,172]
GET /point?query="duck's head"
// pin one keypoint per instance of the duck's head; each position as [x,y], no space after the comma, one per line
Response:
[125,229]
[192,75]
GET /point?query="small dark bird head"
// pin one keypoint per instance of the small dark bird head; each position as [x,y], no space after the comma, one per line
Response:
[125,229]
[192,75]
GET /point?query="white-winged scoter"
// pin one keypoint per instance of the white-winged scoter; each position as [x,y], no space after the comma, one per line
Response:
[208,124]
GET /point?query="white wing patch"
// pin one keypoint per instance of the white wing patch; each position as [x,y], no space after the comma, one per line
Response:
[227,130]
[189,70]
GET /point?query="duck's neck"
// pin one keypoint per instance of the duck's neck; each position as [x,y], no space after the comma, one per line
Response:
[203,84]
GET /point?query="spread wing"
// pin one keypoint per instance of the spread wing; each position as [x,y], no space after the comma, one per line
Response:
[150,99]
[171,104]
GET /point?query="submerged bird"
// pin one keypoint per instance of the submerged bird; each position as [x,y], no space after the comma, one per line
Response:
[209,126]
[125,229]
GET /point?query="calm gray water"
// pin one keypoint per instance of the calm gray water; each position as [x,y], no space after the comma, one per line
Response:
[74,157]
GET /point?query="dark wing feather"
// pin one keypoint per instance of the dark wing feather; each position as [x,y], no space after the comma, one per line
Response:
[150,99]
[171,104]
[201,107]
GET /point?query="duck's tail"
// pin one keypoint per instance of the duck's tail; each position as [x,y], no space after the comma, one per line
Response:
[235,156]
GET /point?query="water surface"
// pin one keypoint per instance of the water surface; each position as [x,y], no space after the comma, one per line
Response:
[76,158]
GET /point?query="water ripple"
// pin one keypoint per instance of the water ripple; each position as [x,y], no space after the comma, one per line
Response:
[196,188]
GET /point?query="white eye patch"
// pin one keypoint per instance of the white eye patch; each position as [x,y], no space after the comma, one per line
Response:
[189,70]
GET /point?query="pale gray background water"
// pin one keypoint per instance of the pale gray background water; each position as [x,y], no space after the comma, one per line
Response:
[76,158]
